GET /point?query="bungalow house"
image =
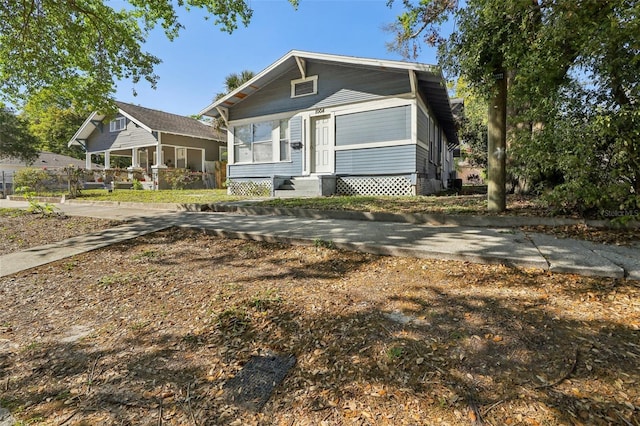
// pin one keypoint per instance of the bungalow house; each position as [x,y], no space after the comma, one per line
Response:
[321,124]
[151,140]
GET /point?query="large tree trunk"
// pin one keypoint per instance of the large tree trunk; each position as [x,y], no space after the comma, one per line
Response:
[497,146]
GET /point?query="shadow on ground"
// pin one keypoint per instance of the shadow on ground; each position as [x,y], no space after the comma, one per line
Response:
[377,340]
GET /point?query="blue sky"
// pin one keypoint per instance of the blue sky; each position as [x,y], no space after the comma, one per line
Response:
[196,63]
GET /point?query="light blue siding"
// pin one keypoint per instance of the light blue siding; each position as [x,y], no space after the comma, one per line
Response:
[389,124]
[423,127]
[292,168]
[422,160]
[132,136]
[377,161]
[337,85]
[295,129]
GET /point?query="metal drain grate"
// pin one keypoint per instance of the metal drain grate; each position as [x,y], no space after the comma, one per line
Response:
[253,385]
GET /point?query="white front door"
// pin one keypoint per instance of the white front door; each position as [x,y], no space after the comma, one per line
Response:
[322,150]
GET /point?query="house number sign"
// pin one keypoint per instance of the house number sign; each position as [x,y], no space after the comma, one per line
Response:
[319,110]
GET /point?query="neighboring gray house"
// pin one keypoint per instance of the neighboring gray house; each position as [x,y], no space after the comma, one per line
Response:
[151,138]
[46,160]
[320,124]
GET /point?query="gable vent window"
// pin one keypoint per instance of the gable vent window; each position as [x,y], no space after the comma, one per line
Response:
[304,86]
[118,124]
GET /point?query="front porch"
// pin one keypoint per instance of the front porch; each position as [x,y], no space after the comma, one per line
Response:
[143,168]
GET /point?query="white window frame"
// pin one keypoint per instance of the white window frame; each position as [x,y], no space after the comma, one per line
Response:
[117,124]
[286,140]
[275,141]
[312,78]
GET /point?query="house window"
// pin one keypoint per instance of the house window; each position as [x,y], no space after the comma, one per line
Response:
[285,145]
[253,143]
[118,124]
[304,86]
[263,142]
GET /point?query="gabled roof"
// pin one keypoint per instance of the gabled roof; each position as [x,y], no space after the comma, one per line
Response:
[429,81]
[153,121]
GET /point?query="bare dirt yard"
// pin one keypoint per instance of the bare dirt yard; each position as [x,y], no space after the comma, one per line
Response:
[20,230]
[152,331]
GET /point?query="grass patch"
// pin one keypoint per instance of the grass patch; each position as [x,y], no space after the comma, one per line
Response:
[452,204]
[201,196]
[475,204]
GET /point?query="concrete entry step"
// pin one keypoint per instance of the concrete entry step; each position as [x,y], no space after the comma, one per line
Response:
[298,187]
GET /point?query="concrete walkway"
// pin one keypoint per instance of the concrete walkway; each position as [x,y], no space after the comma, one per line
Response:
[467,243]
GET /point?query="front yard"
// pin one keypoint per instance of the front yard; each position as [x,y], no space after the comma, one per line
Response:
[377,340]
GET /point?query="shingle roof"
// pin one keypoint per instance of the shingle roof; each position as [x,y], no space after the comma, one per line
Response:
[47,159]
[170,123]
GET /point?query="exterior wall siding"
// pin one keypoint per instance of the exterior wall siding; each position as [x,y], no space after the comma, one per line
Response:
[132,136]
[210,147]
[423,127]
[379,161]
[422,160]
[379,125]
[295,129]
[290,168]
[337,85]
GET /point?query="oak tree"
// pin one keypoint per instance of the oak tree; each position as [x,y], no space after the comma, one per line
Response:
[15,139]
[81,48]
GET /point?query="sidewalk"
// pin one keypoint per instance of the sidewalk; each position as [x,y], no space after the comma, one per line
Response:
[466,243]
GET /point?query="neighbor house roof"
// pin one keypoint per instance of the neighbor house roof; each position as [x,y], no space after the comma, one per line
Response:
[47,160]
[153,121]
[429,81]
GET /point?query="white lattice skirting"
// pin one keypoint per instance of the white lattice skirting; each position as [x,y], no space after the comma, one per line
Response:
[260,188]
[374,185]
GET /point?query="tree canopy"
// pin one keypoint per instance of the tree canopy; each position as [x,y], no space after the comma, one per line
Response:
[15,139]
[573,87]
[53,120]
[80,48]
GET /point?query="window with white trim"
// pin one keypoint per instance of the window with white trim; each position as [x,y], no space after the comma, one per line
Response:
[253,143]
[117,124]
[263,142]
[304,86]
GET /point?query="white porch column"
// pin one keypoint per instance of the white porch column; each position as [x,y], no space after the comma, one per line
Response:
[87,160]
[107,160]
[158,157]
[134,158]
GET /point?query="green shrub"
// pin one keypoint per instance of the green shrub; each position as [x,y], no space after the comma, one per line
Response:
[180,178]
[31,179]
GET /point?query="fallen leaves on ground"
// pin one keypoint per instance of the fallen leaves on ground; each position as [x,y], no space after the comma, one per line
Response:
[149,331]
[20,229]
